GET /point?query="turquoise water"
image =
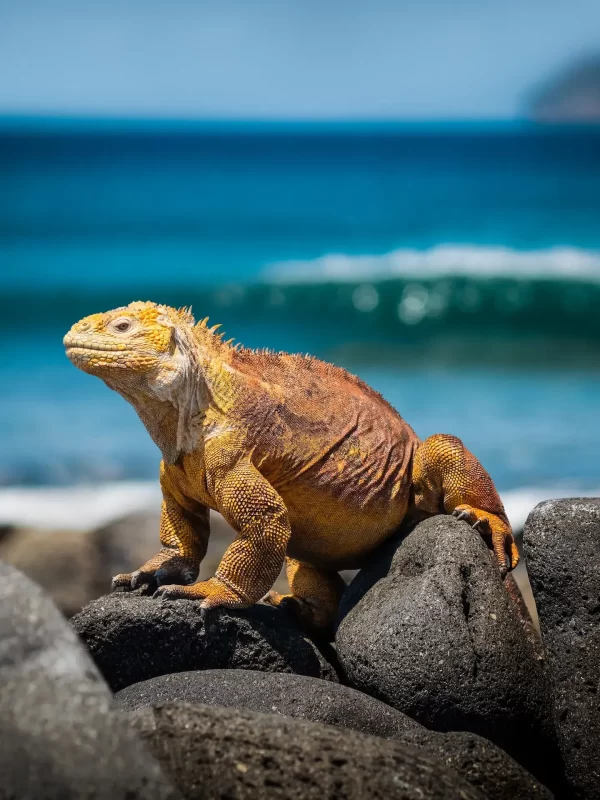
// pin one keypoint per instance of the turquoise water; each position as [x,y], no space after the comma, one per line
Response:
[456,270]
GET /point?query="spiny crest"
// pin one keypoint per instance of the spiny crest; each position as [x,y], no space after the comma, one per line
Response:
[185,314]
[202,325]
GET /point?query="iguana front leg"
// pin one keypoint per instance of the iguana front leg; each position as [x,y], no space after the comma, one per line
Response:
[447,477]
[184,536]
[252,562]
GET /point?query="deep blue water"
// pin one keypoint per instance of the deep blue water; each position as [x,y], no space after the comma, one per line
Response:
[457,270]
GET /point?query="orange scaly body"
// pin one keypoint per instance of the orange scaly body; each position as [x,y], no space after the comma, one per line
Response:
[305,461]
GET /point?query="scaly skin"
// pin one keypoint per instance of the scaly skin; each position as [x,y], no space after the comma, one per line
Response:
[305,461]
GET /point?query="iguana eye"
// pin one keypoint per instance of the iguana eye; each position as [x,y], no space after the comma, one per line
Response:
[122,325]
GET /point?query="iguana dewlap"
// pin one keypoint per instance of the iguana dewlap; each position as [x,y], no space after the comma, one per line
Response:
[305,461]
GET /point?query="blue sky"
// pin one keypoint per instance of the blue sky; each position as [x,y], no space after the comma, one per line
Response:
[310,59]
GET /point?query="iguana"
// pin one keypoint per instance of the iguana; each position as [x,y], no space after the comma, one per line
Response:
[305,461]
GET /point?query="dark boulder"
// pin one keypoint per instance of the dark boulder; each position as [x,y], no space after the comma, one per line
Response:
[562,547]
[60,734]
[133,638]
[483,764]
[480,762]
[272,693]
[429,628]
[222,752]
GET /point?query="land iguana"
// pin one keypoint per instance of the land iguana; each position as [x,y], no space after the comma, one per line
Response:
[305,461]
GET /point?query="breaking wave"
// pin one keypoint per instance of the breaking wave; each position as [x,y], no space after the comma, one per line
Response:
[479,262]
[462,297]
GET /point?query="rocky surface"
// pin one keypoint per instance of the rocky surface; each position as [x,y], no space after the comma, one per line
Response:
[429,628]
[480,762]
[272,693]
[562,547]
[133,638]
[60,735]
[485,766]
[221,752]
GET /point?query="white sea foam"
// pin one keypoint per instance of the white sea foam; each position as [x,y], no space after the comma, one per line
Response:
[76,507]
[87,507]
[558,263]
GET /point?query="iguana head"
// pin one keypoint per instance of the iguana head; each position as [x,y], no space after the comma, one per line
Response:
[166,366]
[142,346]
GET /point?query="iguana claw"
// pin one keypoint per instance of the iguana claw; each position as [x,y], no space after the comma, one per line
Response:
[127,582]
[155,573]
[495,531]
[461,515]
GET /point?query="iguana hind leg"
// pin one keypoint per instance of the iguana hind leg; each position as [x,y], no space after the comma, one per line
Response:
[315,596]
[447,477]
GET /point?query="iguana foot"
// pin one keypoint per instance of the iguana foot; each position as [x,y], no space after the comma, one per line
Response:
[212,593]
[312,617]
[314,598]
[447,476]
[495,532]
[164,568]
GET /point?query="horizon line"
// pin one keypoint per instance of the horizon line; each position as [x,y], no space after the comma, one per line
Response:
[52,121]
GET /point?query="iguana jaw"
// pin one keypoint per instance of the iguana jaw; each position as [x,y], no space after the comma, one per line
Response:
[74,346]
[90,357]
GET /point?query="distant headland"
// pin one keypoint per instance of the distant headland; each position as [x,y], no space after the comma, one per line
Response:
[572,96]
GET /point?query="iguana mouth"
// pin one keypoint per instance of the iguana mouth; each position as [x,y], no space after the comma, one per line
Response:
[98,348]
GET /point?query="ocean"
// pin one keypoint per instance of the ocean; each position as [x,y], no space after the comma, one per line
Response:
[455,268]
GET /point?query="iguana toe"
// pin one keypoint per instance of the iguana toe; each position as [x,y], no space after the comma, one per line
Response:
[212,594]
[128,581]
[173,570]
[180,574]
[495,532]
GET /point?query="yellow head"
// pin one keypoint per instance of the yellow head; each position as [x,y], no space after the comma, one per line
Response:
[141,346]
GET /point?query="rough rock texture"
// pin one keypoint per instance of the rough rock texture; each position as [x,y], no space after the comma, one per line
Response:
[133,638]
[562,546]
[480,762]
[272,693]
[429,628]
[226,753]
[59,734]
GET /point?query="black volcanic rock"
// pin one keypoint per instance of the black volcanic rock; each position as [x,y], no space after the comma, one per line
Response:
[477,760]
[562,547]
[272,693]
[429,628]
[227,753]
[60,734]
[132,638]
